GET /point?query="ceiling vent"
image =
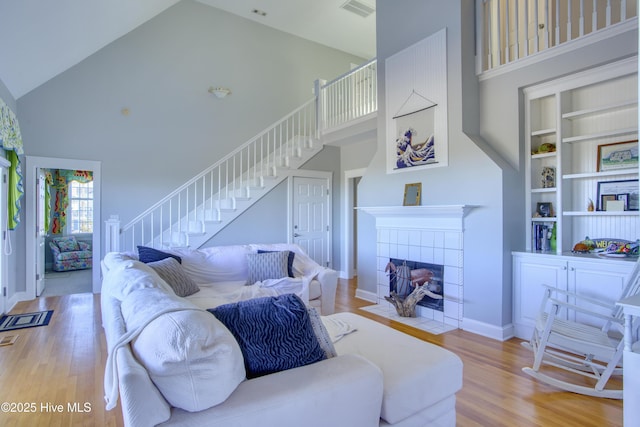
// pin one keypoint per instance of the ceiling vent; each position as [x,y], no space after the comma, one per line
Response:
[359,8]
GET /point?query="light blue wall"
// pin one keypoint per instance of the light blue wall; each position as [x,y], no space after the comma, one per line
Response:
[7,97]
[161,72]
[265,222]
[471,178]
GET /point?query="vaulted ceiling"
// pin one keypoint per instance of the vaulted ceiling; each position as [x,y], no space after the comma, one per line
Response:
[43,38]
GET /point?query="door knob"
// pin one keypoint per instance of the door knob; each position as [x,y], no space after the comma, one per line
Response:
[296,235]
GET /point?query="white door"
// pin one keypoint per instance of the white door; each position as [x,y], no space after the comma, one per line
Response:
[41,232]
[311,217]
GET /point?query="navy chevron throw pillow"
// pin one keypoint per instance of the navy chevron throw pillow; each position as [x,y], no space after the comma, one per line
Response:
[274,333]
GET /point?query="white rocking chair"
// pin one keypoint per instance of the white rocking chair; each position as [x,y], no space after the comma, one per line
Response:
[580,348]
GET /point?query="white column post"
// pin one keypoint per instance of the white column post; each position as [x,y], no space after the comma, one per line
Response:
[112,234]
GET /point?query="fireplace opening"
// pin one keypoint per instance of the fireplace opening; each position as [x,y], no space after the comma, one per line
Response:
[404,275]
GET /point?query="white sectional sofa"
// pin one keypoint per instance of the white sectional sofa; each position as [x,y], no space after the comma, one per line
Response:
[227,268]
[173,363]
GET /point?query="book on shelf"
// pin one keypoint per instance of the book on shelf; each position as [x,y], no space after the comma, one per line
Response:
[541,235]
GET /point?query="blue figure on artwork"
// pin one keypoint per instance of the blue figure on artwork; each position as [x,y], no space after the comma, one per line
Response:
[409,153]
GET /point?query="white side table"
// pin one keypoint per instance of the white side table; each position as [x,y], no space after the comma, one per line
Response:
[631,363]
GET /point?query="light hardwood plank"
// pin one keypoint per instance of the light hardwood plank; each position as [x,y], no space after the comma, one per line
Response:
[63,363]
[55,370]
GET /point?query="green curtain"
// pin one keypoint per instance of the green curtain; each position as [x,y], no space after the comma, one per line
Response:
[15,191]
[11,141]
[47,200]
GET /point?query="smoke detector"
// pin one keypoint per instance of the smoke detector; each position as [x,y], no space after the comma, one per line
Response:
[359,8]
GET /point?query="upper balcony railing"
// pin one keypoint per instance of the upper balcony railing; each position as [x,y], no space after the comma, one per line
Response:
[349,97]
[512,30]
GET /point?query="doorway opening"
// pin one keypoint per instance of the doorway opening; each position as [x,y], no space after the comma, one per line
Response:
[68,219]
[350,240]
[78,214]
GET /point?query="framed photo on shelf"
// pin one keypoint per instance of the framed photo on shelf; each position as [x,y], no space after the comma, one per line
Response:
[606,198]
[624,198]
[618,155]
[412,194]
[544,209]
[618,190]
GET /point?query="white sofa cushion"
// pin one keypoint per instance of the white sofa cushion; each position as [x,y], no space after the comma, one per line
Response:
[191,357]
[215,264]
[315,289]
[409,366]
[126,275]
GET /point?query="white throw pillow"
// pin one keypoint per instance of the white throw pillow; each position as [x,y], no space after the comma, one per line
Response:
[215,264]
[191,357]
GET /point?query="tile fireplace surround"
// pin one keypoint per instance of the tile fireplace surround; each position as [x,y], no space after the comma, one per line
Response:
[431,234]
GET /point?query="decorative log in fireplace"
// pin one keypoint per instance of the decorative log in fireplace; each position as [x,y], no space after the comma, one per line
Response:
[406,307]
[410,282]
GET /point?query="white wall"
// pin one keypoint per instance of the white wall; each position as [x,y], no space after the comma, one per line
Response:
[161,72]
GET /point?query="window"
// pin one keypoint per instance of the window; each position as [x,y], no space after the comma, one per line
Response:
[80,207]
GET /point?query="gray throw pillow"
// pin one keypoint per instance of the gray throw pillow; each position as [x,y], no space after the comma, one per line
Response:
[267,265]
[172,272]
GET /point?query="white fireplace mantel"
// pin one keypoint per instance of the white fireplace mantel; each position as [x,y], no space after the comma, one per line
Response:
[429,234]
[442,217]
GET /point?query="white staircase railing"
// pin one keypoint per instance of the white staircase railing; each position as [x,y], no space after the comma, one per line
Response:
[349,97]
[511,30]
[192,208]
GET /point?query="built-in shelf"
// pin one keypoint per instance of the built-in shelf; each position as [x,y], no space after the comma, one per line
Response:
[543,155]
[601,174]
[609,133]
[543,132]
[599,110]
[544,218]
[600,213]
[579,113]
[543,190]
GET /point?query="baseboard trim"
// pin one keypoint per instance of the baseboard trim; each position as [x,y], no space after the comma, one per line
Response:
[366,295]
[486,330]
[16,298]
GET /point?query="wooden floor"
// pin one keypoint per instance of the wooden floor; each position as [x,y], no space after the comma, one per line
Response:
[53,375]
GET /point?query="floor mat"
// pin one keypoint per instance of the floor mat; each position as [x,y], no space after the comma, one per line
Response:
[12,322]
